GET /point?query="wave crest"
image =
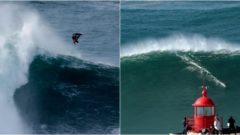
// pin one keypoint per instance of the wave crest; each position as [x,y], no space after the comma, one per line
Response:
[24,35]
[179,42]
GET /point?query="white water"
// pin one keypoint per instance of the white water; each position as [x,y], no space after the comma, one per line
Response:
[23,35]
[183,43]
[203,71]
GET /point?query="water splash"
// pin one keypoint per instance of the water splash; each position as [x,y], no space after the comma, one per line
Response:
[179,42]
[24,34]
[194,66]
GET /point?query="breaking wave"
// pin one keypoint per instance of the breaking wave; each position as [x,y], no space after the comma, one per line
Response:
[24,36]
[179,42]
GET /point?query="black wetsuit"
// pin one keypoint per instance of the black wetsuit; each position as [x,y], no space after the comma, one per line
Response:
[75,37]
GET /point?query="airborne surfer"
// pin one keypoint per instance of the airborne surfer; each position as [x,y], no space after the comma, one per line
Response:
[75,37]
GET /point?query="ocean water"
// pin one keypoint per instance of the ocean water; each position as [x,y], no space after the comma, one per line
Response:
[168,49]
[49,85]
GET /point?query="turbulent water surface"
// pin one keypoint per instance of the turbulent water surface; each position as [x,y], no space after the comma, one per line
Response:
[48,85]
[168,49]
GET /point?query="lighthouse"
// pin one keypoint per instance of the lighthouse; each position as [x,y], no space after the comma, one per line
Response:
[204,112]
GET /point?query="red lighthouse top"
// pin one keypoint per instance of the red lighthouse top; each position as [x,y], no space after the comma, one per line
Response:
[204,101]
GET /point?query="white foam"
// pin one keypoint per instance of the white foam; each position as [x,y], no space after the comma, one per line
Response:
[115,131]
[23,35]
[179,42]
[203,71]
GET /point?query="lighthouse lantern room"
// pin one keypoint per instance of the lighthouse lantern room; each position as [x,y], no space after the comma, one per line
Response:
[204,112]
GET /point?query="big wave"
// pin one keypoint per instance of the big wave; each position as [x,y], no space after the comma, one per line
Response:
[24,35]
[69,95]
[182,46]
[179,42]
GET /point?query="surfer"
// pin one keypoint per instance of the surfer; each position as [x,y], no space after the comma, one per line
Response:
[75,37]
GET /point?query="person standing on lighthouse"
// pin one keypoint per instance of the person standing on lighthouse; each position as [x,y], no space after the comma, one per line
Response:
[231,125]
[217,125]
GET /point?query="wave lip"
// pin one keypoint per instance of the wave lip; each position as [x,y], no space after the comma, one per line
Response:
[179,42]
[24,35]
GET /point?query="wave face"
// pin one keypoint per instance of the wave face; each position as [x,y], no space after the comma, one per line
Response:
[25,38]
[168,50]
[67,95]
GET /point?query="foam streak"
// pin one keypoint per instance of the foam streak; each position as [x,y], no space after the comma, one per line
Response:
[202,70]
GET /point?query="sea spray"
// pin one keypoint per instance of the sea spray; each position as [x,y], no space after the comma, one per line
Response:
[179,42]
[23,35]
